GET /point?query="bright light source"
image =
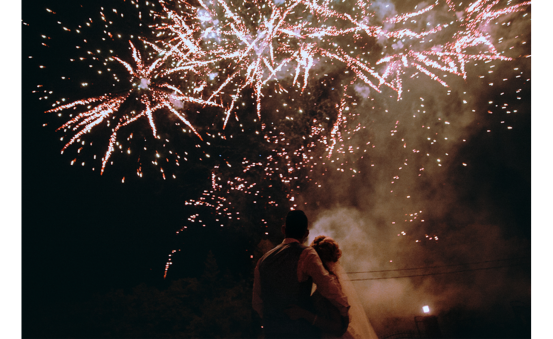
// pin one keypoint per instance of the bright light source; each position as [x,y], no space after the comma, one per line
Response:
[426,309]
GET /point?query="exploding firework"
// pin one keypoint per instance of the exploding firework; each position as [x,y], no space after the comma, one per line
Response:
[278,94]
[232,46]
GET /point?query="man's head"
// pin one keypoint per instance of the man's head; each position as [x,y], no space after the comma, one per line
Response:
[296,225]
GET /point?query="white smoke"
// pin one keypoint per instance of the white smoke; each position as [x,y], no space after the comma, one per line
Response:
[366,246]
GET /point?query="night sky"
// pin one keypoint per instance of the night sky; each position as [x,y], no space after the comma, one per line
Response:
[84,233]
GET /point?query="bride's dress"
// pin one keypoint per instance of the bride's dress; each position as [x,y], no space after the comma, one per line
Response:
[359,326]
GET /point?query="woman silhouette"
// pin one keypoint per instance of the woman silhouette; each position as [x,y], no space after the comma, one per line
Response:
[327,317]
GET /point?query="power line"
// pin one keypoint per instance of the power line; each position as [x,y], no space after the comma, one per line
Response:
[423,275]
[439,266]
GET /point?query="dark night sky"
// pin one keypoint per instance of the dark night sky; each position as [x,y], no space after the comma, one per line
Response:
[84,233]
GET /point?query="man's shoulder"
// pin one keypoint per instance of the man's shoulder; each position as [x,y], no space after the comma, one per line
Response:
[283,247]
[269,252]
[300,249]
[302,246]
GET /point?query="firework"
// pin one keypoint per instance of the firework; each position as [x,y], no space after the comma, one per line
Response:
[269,42]
[269,59]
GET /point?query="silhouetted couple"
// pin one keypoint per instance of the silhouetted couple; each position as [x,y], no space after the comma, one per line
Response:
[283,283]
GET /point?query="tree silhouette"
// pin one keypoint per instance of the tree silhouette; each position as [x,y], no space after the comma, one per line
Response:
[215,305]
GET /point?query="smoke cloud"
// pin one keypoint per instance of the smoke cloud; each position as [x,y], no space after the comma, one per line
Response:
[439,185]
[367,245]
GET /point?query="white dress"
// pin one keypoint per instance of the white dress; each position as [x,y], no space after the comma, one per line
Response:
[359,325]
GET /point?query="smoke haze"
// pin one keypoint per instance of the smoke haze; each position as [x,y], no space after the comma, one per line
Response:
[446,182]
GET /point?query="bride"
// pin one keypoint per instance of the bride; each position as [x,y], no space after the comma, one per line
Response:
[327,317]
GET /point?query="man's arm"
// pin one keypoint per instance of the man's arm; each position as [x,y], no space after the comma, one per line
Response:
[257,303]
[327,284]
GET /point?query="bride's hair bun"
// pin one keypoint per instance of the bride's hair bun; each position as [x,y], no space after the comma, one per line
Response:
[327,248]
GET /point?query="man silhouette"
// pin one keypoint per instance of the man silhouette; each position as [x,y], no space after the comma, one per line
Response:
[284,277]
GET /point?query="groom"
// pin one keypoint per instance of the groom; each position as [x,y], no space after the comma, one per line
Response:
[284,277]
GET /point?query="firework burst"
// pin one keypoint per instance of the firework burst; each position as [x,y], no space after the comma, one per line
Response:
[230,47]
[285,92]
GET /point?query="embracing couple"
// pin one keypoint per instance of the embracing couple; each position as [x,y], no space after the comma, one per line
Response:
[283,283]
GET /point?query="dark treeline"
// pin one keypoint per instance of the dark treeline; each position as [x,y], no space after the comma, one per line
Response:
[214,305]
